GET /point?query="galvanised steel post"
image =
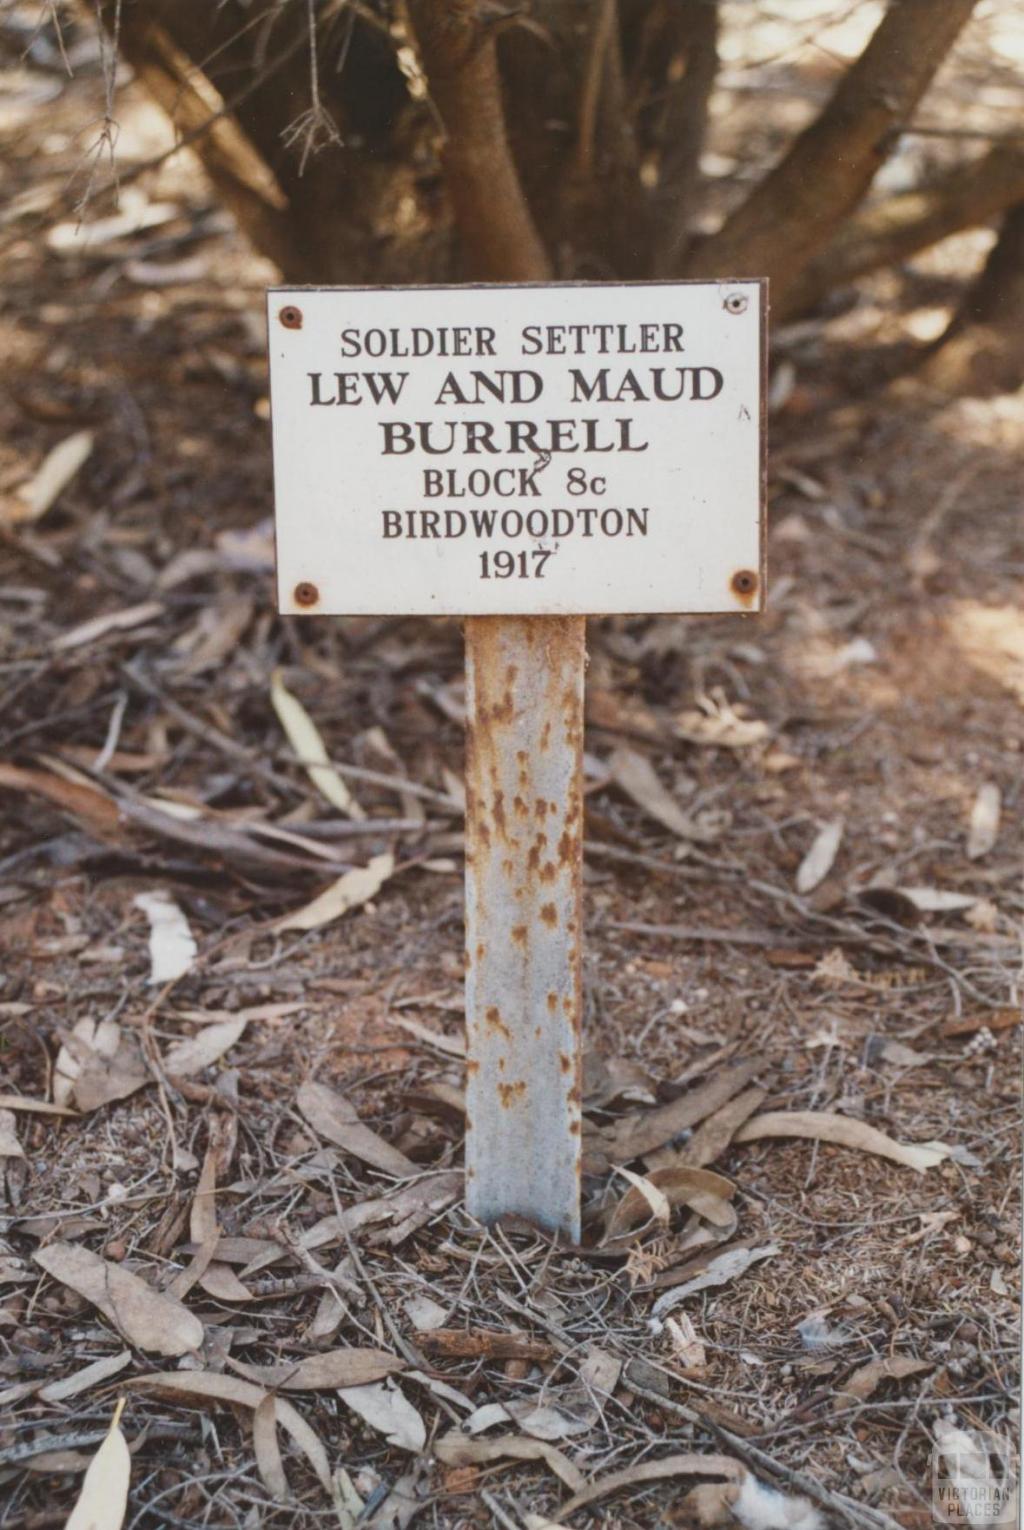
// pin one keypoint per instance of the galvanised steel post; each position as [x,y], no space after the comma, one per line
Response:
[524,862]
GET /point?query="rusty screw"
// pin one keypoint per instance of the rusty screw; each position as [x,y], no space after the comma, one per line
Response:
[305,594]
[744,582]
[291,317]
[736,302]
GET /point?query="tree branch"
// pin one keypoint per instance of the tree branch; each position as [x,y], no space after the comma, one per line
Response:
[498,238]
[898,227]
[694,52]
[982,351]
[793,213]
[602,24]
[238,173]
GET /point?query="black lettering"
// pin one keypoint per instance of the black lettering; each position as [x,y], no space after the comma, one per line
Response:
[584,392]
[625,438]
[522,436]
[348,388]
[483,522]
[381,383]
[314,378]
[450,392]
[657,378]
[697,373]
[482,432]
[397,438]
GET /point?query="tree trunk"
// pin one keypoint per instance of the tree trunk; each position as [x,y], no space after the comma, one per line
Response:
[239,175]
[355,212]
[498,237]
[609,209]
[982,351]
[692,69]
[794,212]
[897,228]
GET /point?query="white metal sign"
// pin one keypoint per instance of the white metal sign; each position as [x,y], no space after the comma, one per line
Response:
[529,450]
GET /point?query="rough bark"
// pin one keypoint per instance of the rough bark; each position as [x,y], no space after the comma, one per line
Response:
[693,65]
[239,174]
[897,228]
[982,351]
[572,109]
[609,211]
[794,212]
[341,203]
[498,239]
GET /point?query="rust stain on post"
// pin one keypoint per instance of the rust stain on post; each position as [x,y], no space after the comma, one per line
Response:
[524,695]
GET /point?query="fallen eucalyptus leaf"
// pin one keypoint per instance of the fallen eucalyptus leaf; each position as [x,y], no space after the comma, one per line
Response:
[39,1107]
[643,1201]
[689,1464]
[324,1372]
[98,1063]
[89,1376]
[267,1449]
[455,1046]
[231,1389]
[819,860]
[304,736]
[937,900]
[350,891]
[867,1378]
[10,1147]
[983,830]
[712,1136]
[103,1500]
[545,1422]
[148,1319]
[185,1058]
[457,1449]
[172,946]
[335,1118]
[678,1185]
[634,774]
[385,1408]
[635,1135]
[424,1313]
[54,474]
[826,1126]
[718,1272]
[110,621]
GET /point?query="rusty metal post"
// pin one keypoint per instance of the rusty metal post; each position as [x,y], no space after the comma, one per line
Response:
[524,861]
